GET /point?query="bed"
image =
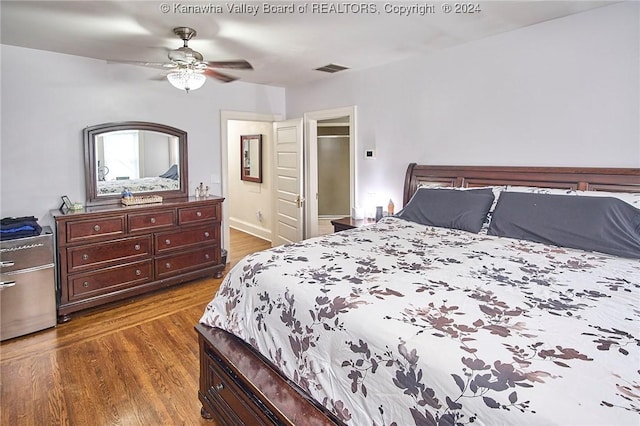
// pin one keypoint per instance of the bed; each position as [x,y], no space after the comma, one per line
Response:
[467,321]
[146,184]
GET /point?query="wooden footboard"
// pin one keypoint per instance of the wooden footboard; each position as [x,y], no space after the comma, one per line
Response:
[238,387]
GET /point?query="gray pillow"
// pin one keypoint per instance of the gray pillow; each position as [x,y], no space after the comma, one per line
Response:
[172,173]
[449,208]
[603,224]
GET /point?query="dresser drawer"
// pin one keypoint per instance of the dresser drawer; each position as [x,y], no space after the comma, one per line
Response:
[153,220]
[165,241]
[84,286]
[108,253]
[198,214]
[94,229]
[184,261]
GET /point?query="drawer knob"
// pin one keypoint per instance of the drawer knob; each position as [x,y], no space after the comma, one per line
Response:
[137,247]
[138,272]
[167,241]
[219,386]
[152,220]
[167,265]
[206,235]
[206,256]
[96,228]
[85,284]
[198,214]
[85,257]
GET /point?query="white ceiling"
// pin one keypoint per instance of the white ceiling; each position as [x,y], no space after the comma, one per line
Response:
[284,48]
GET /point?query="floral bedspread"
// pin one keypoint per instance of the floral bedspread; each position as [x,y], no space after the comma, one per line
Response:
[402,324]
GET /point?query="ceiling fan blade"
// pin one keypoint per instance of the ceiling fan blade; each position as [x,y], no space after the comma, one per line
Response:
[239,64]
[185,58]
[157,65]
[219,76]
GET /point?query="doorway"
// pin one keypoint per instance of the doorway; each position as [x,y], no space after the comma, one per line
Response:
[227,164]
[330,167]
[333,172]
[325,124]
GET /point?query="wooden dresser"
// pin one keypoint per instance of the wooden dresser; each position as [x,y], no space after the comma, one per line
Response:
[111,253]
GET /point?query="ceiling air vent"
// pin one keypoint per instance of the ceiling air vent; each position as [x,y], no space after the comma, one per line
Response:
[331,68]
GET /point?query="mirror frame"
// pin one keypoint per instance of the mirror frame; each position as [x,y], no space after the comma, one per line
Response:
[243,175]
[90,164]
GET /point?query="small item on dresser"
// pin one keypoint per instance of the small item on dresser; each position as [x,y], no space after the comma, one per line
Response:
[390,208]
[147,199]
[199,190]
[67,204]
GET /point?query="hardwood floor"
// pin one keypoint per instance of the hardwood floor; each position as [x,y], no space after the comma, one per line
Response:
[134,363]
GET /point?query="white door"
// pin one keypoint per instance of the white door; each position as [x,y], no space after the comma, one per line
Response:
[289,183]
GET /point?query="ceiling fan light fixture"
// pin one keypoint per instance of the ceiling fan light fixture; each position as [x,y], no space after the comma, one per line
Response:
[187,68]
[186,79]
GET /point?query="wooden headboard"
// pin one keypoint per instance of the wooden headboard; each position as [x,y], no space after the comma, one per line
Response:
[583,179]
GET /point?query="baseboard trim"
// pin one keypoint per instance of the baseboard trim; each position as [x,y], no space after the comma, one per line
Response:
[251,229]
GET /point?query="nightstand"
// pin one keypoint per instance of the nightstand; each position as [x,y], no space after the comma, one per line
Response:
[349,223]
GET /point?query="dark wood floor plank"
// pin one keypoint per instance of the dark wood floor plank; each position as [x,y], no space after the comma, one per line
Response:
[132,363]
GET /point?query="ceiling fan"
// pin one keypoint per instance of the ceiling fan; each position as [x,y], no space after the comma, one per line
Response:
[187,69]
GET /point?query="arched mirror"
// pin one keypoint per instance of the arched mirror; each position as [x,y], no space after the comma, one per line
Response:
[144,158]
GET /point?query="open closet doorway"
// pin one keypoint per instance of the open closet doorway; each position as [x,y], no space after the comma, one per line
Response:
[331,167]
[334,199]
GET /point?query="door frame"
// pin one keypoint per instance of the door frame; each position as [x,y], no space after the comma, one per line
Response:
[225,116]
[310,120]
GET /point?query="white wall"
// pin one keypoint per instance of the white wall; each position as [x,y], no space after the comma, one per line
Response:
[565,92]
[246,199]
[561,93]
[48,98]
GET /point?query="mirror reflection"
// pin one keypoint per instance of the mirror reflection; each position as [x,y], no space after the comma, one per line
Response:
[137,160]
[251,158]
[141,157]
